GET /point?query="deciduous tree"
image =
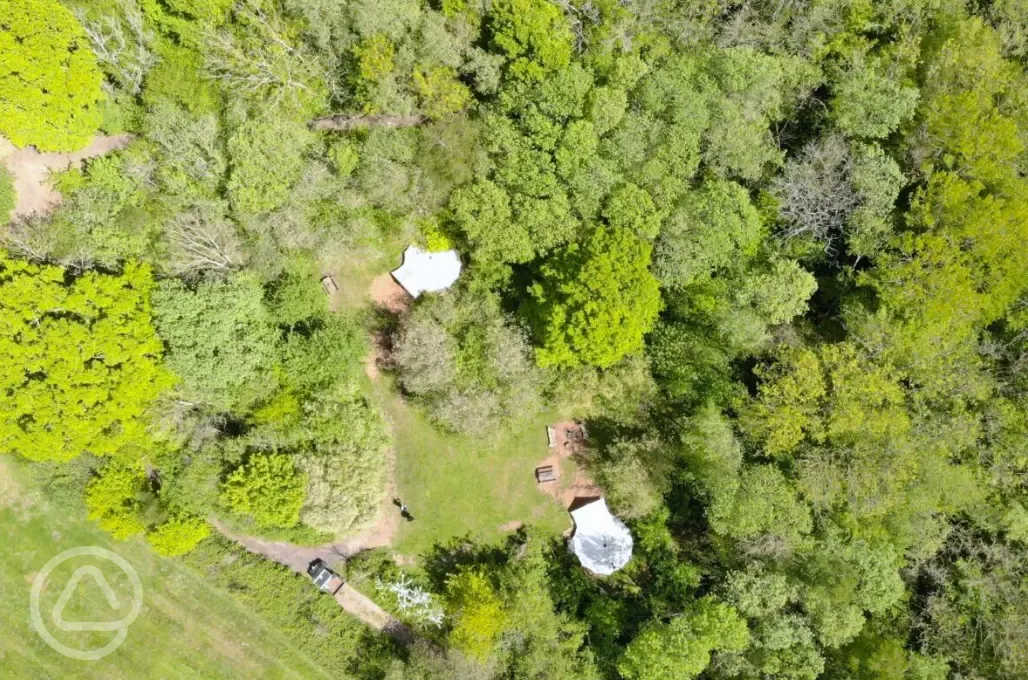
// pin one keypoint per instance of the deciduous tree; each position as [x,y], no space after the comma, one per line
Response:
[50,82]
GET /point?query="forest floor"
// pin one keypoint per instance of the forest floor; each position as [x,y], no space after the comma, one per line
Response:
[31,171]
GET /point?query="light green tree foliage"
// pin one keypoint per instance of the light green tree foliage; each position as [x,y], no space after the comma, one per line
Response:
[877,181]
[836,394]
[958,273]
[660,149]
[189,150]
[482,211]
[476,610]
[845,579]
[594,302]
[978,600]
[8,197]
[329,352]
[102,221]
[715,227]
[178,535]
[873,657]
[862,451]
[752,90]
[777,289]
[712,452]
[681,649]
[178,77]
[208,11]
[220,340]
[441,93]
[630,207]
[533,34]
[339,442]
[764,503]
[966,92]
[295,296]
[82,364]
[467,363]
[870,102]
[50,82]
[400,56]
[782,644]
[634,474]
[257,60]
[267,488]
[266,158]
[113,499]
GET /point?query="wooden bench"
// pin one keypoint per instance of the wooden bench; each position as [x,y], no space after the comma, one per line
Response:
[545,473]
[551,436]
[329,284]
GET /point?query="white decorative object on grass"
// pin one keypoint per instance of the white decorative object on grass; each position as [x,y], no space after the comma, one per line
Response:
[602,542]
[413,600]
[424,272]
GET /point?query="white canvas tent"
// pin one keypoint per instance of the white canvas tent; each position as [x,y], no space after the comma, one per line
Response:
[602,542]
[424,272]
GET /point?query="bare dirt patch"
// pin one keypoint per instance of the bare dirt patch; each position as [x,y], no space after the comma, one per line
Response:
[511,527]
[31,171]
[568,446]
[388,295]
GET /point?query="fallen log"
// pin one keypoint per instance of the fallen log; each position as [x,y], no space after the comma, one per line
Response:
[345,121]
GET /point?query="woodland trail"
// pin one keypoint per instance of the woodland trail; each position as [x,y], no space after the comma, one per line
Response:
[298,558]
[31,171]
[384,293]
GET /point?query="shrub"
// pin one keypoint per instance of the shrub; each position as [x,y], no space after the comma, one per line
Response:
[268,488]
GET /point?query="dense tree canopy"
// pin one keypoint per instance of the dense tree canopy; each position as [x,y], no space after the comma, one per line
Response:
[83,361]
[48,76]
[772,254]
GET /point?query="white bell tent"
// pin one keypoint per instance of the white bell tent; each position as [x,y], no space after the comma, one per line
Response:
[602,542]
[424,272]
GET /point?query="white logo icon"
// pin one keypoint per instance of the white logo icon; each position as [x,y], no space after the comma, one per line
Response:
[57,614]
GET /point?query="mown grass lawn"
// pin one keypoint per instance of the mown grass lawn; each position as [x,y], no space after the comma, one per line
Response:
[460,486]
[186,628]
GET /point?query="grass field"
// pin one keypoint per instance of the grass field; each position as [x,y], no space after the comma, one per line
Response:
[186,629]
[466,486]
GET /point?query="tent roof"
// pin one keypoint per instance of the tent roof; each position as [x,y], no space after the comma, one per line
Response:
[602,542]
[424,272]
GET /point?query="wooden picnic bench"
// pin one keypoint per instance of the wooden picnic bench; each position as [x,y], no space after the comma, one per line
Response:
[329,284]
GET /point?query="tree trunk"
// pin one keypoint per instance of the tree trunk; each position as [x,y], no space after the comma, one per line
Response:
[346,121]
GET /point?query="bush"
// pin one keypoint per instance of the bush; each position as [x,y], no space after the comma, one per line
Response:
[112,499]
[268,488]
[178,535]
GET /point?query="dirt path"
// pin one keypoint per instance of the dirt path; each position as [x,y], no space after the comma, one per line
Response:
[31,170]
[386,294]
[298,558]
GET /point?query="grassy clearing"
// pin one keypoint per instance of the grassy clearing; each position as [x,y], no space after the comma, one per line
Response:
[187,629]
[466,486]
